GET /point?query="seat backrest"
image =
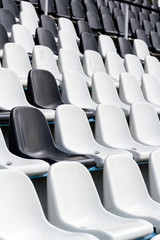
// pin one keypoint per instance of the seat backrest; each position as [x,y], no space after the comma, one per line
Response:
[43,58]
[83,26]
[92,7]
[135,24]
[62,8]
[129,89]
[48,22]
[142,17]
[147,27]
[158,27]
[108,24]
[92,62]
[124,47]
[114,65]
[155,38]
[3,36]
[140,48]
[51,7]
[28,7]
[67,133]
[141,34]
[94,21]
[20,64]
[11,6]
[67,25]
[105,44]
[132,62]
[88,42]
[7,19]
[22,36]
[123,183]
[111,128]
[77,10]
[144,123]
[42,89]
[20,206]
[153,19]
[151,89]
[152,66]
[71,192]
[29,21]
[44,37]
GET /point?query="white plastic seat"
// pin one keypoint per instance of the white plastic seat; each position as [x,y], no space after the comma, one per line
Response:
[154,177]
[16,58]
[144,124]
[12,93]
[22,217]
[67,41]
[73,134]
[67,25]
[92,62]
[74,205]
[134,66]
[105,44]
[111,130]
[69,61]
[125,192]
[28,20]
[43,58]
[152,66]
[75,91]
[140,49]
[30,167]
[157,237]
[29,8]
[104,91]
[114,66]
[22,36]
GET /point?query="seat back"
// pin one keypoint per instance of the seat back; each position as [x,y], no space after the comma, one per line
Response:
[155,38]
[77,11]
[140,48]
[141,34]
[83,26]
[147,27]
[144,124]
[62,9]
[3,37]
[135,24]
[114,65]
[129,89]
[67,25]
[94,21]
[92,62]
[123,183]
[108,24]
[11,6]
[111,128]
[132,62]
[28,7]
[42,89]
[152,66]
[105,44]
[124,47]
[71,193]
[29,21]
[7,19]
[48,22]
[88,42]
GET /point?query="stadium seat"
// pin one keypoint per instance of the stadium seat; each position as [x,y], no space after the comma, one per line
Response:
[152,66]
[105,44]
[48,22]
[140,49]
[29,21]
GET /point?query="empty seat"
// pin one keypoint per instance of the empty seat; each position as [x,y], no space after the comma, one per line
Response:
[22,36]
[158,27]
[111,130]
[152,66]
[135,24]
[67,25]
[120,22]
[108,25]
[104,91]
[124,47]
[92,62]
[141,34]
[28,7]
[7,20]
[88,42]
[105,44]
[79,139]
[67,41]
[42,90]
[70,61]
[155,38]
[44,58]
[62,8]
[104,10]
[3,39]
[132,62]
[66,192]
[117,12]
[153,20]
[114,66]
[147,133]
[77,11]
[94,21]
[21,209]
[140,48]
[112,5]
[147,27]
[126,194]
[12,7]
[29,21]
[15,58]
[31,137]
[48,22]
[142,17]
[92,7]
[51,6]
[44,37]
[83,26]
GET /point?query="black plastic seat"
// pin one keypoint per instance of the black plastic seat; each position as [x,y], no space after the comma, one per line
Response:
[92,7]
[147,27]
[154,4]
[100,3]
[111,6]
[131,14]
[7,19]
[88,42]
[94,21]
[11,6]
[117,12]
[30,137]
[153,19]
[88,1]
[124,47]
[51,7]
[141,34]
[120,26]
[142,17]
[77,11]
[108,25]
[146,11]
[45,37]
[135,24]
[135,10]
[155,39]
[104,10]
[42,90]
[3,37]
[48,22]
[83,26]
[158,27]
[62,8]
